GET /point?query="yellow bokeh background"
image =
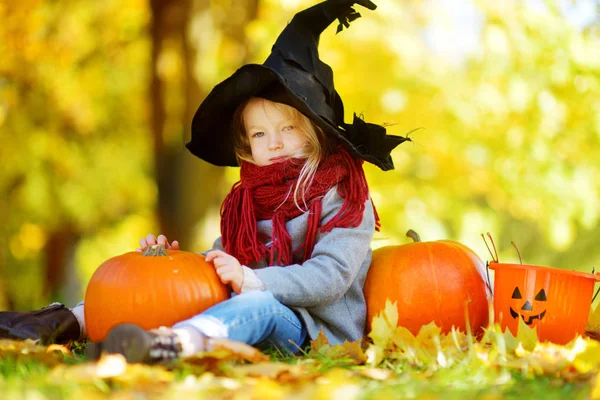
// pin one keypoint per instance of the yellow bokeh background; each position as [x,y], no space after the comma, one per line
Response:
[502,97]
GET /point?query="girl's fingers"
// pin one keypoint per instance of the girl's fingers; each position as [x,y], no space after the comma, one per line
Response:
[138,250]
[227,277]
[222,269]
[223,279]
[162,241]
[150,240]
[211,255]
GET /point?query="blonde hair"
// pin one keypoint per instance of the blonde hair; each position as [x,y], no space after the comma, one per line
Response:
[313,152]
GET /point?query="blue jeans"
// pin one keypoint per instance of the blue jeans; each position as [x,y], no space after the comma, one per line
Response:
[255,318]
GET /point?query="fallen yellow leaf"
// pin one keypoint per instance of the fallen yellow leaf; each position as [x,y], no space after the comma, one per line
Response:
[238,349]
[384,325]
[59,348]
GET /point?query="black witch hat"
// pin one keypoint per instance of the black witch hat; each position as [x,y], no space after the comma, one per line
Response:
[294,75]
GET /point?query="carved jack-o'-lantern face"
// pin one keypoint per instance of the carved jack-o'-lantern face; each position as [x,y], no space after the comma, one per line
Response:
[530,311]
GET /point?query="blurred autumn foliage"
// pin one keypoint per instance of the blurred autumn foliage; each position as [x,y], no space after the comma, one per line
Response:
[96,100]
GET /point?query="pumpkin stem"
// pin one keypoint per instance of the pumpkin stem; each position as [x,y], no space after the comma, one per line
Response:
[413,235]
[518,252]
[154,251]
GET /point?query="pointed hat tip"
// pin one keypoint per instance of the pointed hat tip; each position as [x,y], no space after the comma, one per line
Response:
[351,14]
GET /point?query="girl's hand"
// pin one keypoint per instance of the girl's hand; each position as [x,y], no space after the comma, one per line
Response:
[150,240]
[228,268]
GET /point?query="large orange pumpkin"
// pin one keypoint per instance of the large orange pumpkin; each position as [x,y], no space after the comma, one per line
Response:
[429,281]
[151,289]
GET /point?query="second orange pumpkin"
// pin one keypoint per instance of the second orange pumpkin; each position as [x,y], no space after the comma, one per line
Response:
[430,281]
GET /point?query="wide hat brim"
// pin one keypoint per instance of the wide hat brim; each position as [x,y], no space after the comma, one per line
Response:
[293,74]
[212,125]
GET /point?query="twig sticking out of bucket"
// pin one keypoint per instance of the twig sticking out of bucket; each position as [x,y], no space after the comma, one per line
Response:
[518,252]
[487,264]
[495,253]
[597,291]
[487,272]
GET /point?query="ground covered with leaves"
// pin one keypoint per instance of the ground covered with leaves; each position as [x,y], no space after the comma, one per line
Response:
[393,364]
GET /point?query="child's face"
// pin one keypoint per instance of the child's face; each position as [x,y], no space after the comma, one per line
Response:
[273,133]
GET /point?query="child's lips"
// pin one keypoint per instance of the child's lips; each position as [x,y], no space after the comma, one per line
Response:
[278,159]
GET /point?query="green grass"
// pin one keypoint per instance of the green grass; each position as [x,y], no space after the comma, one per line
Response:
[39,375]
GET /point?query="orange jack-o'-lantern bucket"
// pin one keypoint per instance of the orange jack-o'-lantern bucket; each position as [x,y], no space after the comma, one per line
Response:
[554,301]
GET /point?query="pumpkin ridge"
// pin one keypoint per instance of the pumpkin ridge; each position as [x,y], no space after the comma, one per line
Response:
[122,271]
[469,254]
[459,252]
[432,265]
[198,286]
[459,249]
[185,275]
[110,280]
[391,273]
[172,283]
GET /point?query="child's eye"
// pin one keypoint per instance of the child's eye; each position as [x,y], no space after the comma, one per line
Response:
[288,128]
[258,134]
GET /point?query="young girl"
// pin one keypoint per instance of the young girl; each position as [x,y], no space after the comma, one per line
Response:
[296,229]
[292,177]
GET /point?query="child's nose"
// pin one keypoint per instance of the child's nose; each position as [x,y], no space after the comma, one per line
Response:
[275,141]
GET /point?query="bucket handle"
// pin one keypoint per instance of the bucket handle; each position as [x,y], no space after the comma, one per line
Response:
[488,281]
[595,295]
[597,291]
[494,258]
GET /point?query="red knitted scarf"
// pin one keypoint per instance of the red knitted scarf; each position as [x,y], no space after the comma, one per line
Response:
[268,193]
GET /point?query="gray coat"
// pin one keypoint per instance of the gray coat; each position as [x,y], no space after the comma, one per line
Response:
[327,289]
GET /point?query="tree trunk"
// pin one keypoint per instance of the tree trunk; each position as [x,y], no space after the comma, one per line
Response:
[60,282]
[188,188]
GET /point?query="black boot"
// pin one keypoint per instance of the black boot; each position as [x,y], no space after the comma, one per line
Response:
[52,324]
[137,345]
